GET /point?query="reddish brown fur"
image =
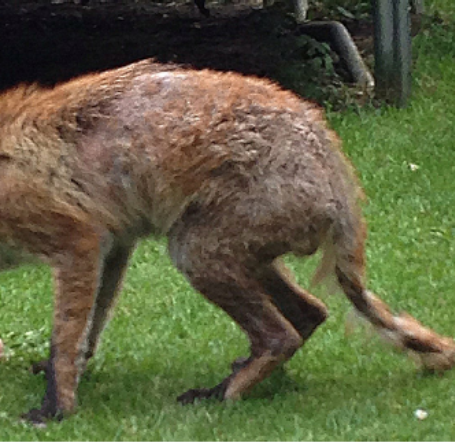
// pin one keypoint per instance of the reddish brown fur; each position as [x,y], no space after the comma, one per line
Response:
[234,170]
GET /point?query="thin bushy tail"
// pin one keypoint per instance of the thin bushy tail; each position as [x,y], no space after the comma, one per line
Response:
[343,255]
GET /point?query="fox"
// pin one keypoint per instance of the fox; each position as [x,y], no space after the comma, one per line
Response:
[235,171]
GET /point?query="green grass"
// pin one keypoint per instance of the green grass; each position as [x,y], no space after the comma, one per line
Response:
[443,7]
[165,338]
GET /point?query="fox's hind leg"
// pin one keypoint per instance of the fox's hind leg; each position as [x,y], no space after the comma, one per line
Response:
[303,310]
[276,314]
[273,339]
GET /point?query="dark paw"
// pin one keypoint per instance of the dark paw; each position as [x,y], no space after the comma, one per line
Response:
[39,417]
[194,394]
[34,417]
[200,394]
[40,366]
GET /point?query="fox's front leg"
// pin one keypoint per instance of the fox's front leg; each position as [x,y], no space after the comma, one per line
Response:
[77,270]
[111,278]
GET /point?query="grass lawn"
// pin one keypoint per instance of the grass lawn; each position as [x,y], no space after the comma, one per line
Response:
[166,339]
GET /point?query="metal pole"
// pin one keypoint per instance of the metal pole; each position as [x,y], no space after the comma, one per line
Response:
[402,51]
[383,45]
[392,46]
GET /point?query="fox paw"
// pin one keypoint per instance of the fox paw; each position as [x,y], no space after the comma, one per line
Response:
[39,417]
[204,393]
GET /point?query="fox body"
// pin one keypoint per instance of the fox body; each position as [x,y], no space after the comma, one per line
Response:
[234,170]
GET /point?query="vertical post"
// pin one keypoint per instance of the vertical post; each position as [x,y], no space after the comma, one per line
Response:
[402,51]
[392,46]
[383,44]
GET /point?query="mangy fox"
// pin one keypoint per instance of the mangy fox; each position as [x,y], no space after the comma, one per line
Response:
[234,170]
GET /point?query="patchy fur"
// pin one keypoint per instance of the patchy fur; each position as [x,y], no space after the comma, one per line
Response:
[234,170]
